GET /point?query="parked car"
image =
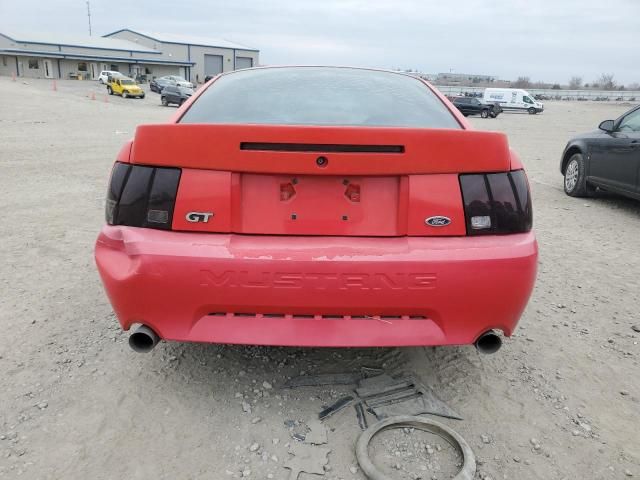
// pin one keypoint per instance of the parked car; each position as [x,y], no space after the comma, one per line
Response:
[608,158]
[126,87]
[158,84]
[513,99]
[318,206]
[174,94]
[473,106]
[105,74]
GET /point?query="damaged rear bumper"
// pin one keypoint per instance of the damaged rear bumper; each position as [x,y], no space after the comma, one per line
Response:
[316,291]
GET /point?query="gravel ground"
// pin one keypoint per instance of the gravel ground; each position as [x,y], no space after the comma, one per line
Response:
[560,400]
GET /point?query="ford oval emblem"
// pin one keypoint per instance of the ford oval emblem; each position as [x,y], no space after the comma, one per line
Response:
[438,221]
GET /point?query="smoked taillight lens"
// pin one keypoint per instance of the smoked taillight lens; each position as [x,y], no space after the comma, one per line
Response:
[496,203]
[141,196]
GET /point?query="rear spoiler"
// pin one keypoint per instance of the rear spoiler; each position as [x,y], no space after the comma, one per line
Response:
[296,149]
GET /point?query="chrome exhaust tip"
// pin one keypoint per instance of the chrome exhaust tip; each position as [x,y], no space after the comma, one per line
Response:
[489,342]
[143,339]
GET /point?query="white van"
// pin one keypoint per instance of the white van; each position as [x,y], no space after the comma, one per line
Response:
[513,99]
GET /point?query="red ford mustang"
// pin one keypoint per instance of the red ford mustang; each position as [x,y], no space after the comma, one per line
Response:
[318,206]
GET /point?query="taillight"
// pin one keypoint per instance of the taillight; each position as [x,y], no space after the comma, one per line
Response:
[140,196]
[496,203]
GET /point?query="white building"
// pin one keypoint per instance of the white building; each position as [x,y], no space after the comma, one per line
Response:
[42,55]
[207,56]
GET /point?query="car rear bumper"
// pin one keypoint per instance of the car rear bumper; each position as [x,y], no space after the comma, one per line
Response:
[316,291]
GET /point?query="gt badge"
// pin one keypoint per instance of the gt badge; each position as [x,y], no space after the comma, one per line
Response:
[438,221]
[195,217]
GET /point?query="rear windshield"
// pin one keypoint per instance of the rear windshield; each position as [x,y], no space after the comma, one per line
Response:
[320,96]
[126,82]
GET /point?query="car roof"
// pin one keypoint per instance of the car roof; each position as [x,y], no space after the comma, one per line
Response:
[345,67]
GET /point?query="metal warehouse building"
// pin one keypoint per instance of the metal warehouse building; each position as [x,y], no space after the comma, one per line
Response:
[132,52]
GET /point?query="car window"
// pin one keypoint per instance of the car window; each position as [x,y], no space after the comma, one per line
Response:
[630,123]
[320,96]
[527,99]
[127,82]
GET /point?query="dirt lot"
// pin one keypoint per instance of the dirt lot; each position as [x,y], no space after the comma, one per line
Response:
[560,400]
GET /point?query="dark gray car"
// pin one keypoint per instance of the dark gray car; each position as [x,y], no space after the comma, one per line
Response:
[473,106]
[608,158]
[158,84]
[174,94]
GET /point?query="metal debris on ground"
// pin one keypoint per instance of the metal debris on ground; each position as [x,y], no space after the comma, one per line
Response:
[361,415]
[336,407]
[385,396]
[299,437]
[308,459]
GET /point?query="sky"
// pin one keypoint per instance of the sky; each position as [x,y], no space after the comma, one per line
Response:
[546,40]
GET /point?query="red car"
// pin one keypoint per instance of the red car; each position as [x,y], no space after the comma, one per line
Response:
[318,206]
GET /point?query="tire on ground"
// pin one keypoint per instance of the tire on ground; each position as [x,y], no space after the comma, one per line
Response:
[575,177]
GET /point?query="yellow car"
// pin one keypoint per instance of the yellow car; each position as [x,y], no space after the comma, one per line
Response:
[126,87]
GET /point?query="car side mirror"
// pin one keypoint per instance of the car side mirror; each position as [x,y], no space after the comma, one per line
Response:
[607,126]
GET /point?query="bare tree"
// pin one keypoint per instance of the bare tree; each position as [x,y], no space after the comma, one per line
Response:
[575,82]
[634,86]
[522,82]
[606,81]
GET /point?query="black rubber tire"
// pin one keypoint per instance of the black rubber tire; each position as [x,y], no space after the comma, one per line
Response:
[580,188]
[110,90]
[532,111]
[484,113]
[164,102]
[124,94]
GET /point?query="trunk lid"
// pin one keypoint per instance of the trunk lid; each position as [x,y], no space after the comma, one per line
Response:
[310,180]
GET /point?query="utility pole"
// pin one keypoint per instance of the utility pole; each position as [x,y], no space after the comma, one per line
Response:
[89,15]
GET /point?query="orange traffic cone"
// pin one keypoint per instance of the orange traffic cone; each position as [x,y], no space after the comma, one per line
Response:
[106,99]
[54,86]
[93,96]
[13,76]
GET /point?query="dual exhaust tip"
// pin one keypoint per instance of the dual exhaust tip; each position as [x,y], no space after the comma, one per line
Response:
[489,342]
[144,339]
